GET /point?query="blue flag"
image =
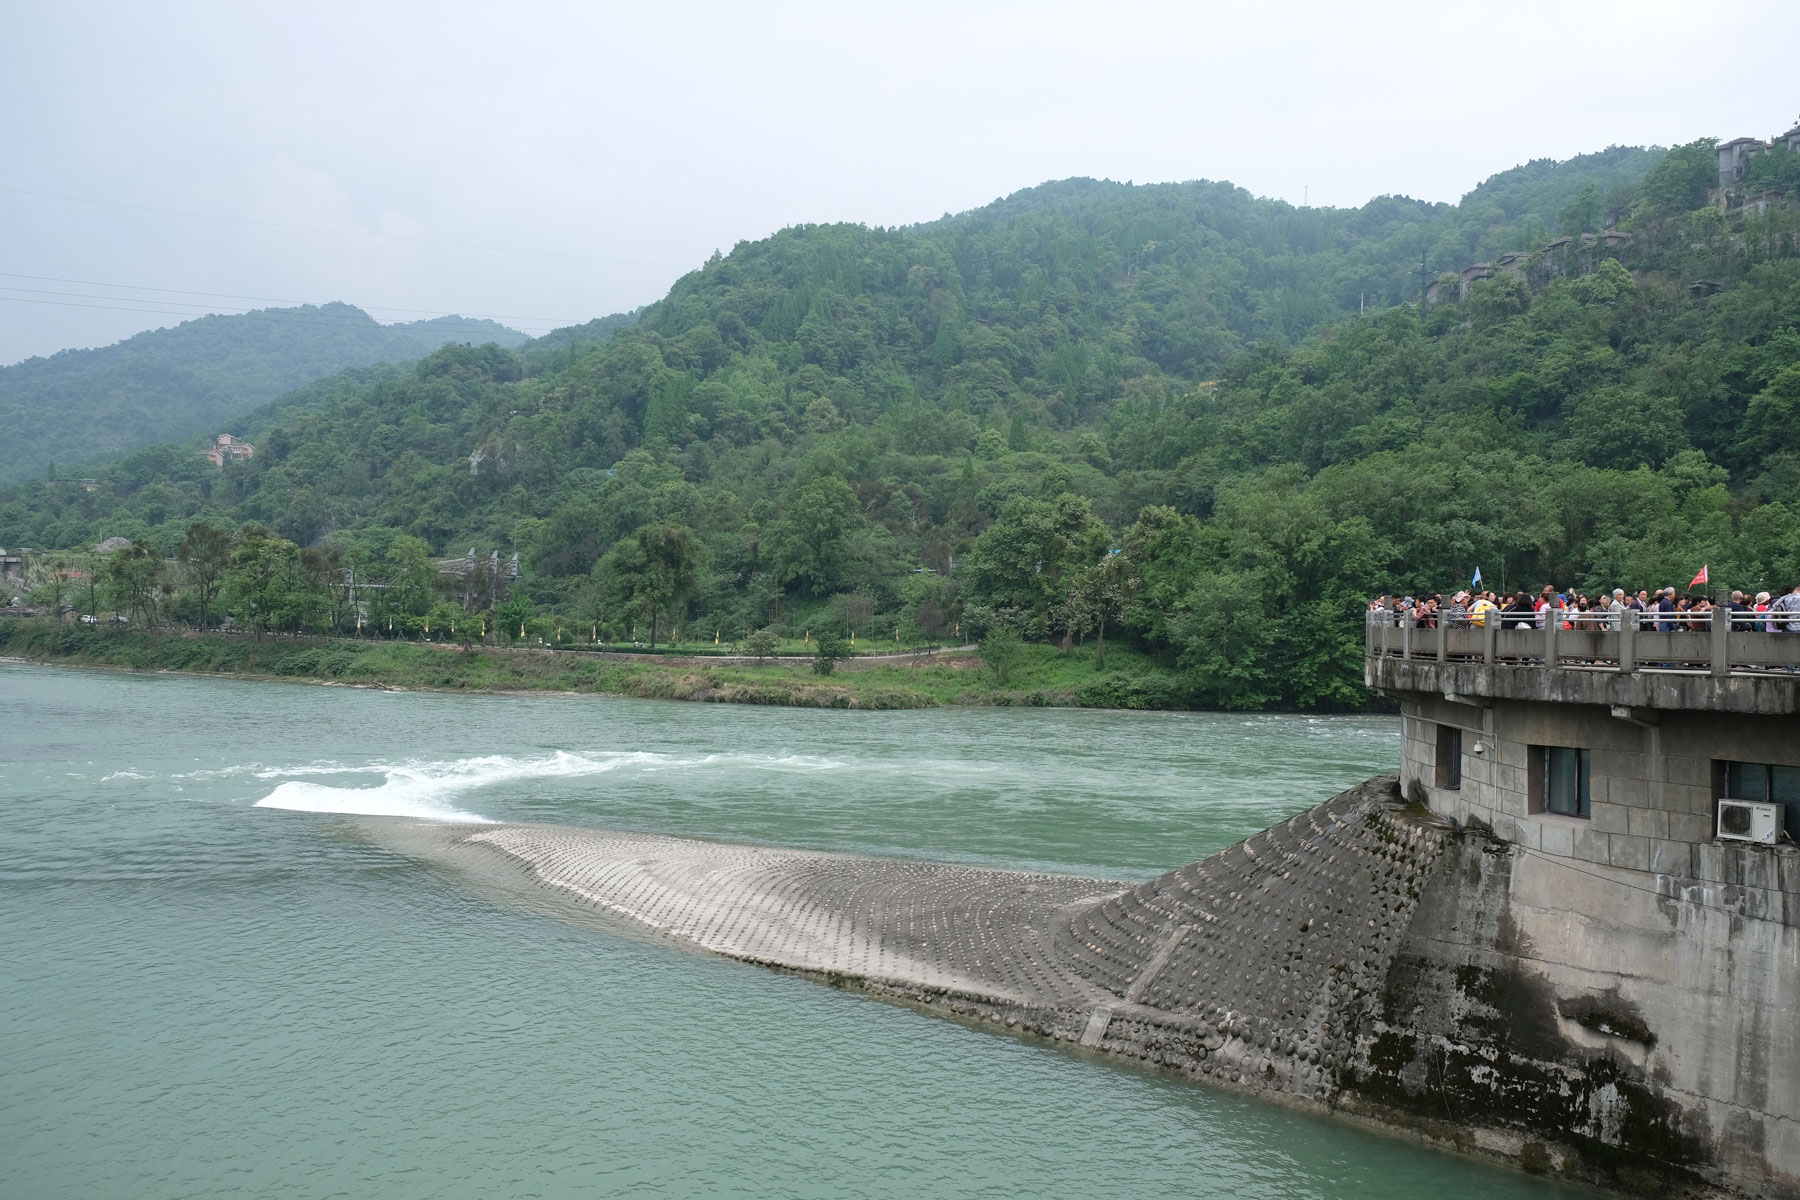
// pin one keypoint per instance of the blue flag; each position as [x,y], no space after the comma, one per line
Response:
[1476,582]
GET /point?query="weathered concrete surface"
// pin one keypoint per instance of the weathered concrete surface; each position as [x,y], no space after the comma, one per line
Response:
[909,925]
[1649,1031]
[1765,695]
[1361,957]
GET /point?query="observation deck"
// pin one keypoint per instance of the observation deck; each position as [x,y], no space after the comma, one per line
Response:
[1721,664]
[1611,746]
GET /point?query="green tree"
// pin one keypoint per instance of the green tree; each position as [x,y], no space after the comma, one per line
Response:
[1772,419]
[652,572]
[205,554]
[762,645]
[1001,651]
[513,615]
[1024,557]
[1680,181]
[134,576]
[1168,550]
[829,649]
[1226,641]
[1619,428]
[1608,284]
[1777,169]
[1582,213]
[56,576]
[258,577]
[448,622]
[1497,300]
[1103,592]
[820,540]
[412,577]
[321,581]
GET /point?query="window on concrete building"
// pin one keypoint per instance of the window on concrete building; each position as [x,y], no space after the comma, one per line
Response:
[1768,782]
[1559,780]
[1449,757]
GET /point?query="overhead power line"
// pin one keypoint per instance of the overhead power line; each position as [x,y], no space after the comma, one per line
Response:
[137,287]
[362,233]
[277,315]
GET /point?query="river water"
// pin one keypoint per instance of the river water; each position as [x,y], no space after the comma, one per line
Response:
[212,985]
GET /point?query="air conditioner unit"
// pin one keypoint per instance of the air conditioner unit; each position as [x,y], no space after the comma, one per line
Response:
[1749,821]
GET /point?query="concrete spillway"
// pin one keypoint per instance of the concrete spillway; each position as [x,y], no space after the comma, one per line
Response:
[1243,966]
[1363,957]
[907,925]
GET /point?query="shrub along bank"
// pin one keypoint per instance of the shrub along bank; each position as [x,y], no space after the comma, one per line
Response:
[1043,676]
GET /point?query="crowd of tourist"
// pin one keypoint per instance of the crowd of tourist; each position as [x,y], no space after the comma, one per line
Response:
[1664,610]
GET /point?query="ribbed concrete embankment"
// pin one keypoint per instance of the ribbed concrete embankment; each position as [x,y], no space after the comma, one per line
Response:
[1253,966]
[918,928]
[1362,957]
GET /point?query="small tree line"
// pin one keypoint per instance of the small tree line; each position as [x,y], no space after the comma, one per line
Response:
[256,580]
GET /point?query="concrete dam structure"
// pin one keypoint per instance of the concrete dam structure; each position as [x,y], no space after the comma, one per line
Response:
[1446,952]
[1621,962]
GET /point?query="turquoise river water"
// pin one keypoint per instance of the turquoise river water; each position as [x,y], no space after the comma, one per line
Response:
[212,985]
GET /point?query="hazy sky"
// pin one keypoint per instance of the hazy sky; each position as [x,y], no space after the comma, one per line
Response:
[548,163]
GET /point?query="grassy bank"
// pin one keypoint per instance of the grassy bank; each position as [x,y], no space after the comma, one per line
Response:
[1044,677]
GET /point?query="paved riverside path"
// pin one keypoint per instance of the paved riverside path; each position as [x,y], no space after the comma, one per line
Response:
[1253,966]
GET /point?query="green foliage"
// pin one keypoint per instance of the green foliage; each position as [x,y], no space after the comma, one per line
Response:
[205,553]
[1025,558]
[1100,596]
[134,579]
[512,618]
[829,649]
[199,378]
[1679,182]
[1582,213]
[821,542]
[256,581]
[1000,652]
[652,573]
[1776,169]
[763,644]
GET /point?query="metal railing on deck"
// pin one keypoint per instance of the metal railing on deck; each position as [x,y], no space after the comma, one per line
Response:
[1714,644]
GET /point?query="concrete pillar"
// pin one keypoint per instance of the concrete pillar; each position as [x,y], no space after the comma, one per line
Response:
[1628,627]
[1552,623]
[1406,631]
[1721,637]
[1443,638]
[1490,639]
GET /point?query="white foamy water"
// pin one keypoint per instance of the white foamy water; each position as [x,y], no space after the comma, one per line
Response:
[425,790]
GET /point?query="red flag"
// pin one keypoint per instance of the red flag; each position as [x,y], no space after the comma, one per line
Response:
[1699,579]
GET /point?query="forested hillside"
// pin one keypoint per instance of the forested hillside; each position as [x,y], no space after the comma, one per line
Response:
[199,377]
[1150,412]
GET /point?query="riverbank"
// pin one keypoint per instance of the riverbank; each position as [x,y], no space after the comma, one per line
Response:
[1045,676]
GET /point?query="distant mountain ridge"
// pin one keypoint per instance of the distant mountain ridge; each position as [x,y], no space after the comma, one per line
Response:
[898,432]
[197,378]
